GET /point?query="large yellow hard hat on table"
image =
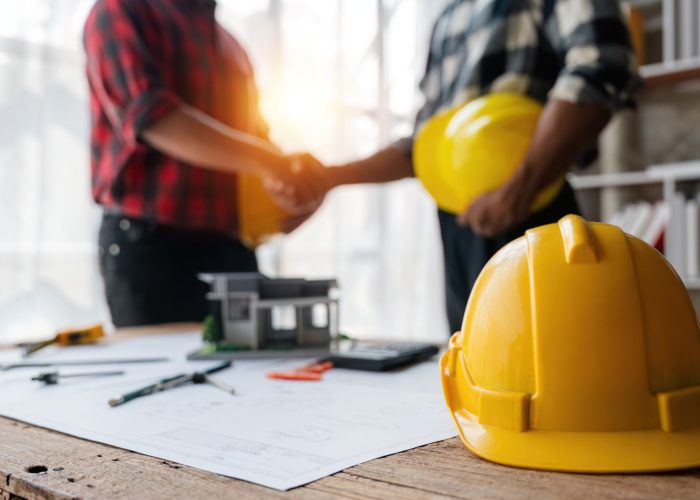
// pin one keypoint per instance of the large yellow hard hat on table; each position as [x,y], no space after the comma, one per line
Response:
[579,351]
[469,150]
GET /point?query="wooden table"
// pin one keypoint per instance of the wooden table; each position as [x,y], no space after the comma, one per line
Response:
[39,463]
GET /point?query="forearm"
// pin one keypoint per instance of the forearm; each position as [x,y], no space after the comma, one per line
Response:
[194,137]
[388,164]
[564,132]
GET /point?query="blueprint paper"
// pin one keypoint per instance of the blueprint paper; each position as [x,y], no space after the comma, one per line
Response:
[279,434]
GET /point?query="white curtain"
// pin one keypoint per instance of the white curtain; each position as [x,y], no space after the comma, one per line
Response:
[48,275]
[333,81]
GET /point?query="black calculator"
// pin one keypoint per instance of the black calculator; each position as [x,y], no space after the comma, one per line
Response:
[379,357]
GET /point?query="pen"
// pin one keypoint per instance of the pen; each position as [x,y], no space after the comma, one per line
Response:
[166,383]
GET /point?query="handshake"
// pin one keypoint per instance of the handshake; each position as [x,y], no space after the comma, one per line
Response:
[298,185]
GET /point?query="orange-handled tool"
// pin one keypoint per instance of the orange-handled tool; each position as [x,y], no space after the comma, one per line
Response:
[313,371]
[72,336]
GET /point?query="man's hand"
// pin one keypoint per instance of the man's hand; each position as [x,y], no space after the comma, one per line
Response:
[497,211]
[564,131]
[300,187]
[293,222]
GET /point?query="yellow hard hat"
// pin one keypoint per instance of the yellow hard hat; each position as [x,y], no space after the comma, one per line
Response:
[469,150]
[259,217]
[579,351]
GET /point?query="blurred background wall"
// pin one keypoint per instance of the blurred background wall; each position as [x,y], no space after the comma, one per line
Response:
[337,78]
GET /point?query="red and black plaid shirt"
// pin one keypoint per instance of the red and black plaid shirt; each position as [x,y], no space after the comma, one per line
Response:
[145,58]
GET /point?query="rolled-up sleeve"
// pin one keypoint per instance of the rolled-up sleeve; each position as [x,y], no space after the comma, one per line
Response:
[124,56]
[405,145]
[599,61]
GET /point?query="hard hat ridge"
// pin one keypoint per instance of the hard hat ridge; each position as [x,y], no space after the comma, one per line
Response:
[579,242]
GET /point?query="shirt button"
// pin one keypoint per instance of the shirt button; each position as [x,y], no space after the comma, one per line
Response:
[124,224]
[114,249]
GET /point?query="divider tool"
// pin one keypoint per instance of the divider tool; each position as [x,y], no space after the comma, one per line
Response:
[175,381]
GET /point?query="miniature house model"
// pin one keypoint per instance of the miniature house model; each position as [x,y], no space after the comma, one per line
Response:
[255,312]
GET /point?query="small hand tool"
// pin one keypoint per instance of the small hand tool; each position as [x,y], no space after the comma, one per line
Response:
[310,372]
[175,381]
[73,336]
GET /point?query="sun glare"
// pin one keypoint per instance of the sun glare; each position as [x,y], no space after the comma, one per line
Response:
[301,116]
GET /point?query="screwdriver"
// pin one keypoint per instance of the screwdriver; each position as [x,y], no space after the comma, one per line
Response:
[88,335]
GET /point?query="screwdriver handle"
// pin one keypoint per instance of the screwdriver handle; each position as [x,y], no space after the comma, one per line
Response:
[74,336]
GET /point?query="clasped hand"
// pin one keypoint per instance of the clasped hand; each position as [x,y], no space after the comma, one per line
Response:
[498,211]
[299,187]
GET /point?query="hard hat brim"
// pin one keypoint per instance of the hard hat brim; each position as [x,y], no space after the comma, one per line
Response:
[583,452]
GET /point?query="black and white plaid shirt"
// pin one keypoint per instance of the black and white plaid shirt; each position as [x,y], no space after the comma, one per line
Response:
[572,50]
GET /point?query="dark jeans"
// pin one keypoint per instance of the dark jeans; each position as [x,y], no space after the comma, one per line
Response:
[150,271]
[466,253]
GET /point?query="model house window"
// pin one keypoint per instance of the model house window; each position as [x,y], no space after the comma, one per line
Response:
[319,316]
[238,310]
[284,317]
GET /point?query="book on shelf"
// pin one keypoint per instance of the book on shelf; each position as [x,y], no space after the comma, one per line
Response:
[692,235]
[672,228]
[676,240]
[645,221]
[627,216]
[640,220]
[653,234]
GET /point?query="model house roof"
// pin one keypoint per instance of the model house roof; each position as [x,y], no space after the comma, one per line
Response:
[268,288]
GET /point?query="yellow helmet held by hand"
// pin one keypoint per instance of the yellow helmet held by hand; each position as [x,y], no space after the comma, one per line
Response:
[259,217]
[469,150]
[579,351]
